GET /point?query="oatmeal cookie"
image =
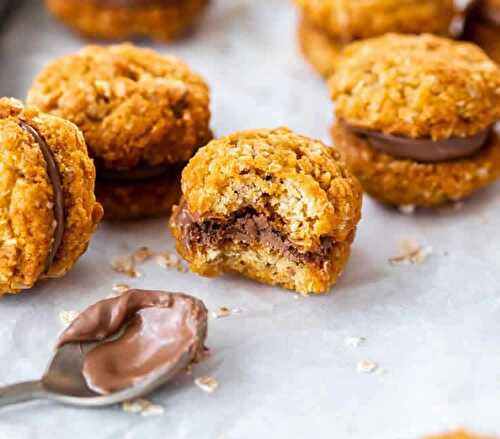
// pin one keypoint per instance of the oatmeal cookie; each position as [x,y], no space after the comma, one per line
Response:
[142,115]
[272,205]
[48,209]
[327,26]
[415,123]
[162,20]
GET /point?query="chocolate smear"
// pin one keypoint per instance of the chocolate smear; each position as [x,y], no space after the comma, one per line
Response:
[57,186]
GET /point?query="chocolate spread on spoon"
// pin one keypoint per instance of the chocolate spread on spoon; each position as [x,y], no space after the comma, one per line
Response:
[422,149]
[56,182]
[248,227]
[154,333]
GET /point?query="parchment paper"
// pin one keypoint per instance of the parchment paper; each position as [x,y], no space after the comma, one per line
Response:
[284,368]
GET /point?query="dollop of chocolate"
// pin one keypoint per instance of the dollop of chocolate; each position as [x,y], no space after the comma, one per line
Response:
[152,333]
[57,187]
[247,227]
[422,149]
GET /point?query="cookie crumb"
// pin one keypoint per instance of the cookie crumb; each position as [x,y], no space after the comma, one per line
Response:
[411,253]
[366,366]
[407,209]
[142,406]
[120,288]
[141,255]
[125,265]
[169,260]
[222,312]
[207,384]
[354,342]
[67,317]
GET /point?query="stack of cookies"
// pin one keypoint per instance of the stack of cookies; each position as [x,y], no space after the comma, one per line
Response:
[327,26]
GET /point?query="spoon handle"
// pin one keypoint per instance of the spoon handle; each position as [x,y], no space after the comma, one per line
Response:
[21,392]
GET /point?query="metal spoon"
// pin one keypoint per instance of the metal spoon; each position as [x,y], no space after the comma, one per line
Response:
[63,381]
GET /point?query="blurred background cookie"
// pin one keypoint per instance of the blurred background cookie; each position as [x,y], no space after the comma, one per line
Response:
[482,26]
[143,116]
[162,20]
[326,26]
[48,210]
[415,117]
[274,206]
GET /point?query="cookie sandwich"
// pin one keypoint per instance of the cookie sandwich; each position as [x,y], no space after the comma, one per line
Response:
[327,26]
[272,205]
[48,209]
[143,116]
[415,118]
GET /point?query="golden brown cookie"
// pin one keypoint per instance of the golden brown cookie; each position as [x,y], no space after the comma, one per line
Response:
[48,210]
[482,26]
[272,205]
[163,20]
[319,48]
[327,26]
[352,20]
[142,115]
[415,117]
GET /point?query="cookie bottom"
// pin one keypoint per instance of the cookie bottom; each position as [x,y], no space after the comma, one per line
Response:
[321,50]
[163,23]
[405,182]
[486,36]
[135,200]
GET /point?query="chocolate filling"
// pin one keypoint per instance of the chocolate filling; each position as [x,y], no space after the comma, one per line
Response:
[422,149]
[153,334]
[57,186]
[138,174]
[248,227]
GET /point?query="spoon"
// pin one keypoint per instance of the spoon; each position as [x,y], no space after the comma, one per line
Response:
[64,382]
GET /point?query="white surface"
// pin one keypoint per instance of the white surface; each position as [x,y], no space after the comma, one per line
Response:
[283,367]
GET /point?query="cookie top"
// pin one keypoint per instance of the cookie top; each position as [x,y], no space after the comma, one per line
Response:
[459,435]
[359,19]
[134,106]
[417,86]
[297,181]
[29,223]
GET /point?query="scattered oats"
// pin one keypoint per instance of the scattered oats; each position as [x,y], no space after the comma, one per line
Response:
[354,342]
[142,255]
[120,288]
[207,384]
[222,312]
[170,260]
[142,406]
[407,209]
[366,366]
[66,317]
[125,265]
[411,253]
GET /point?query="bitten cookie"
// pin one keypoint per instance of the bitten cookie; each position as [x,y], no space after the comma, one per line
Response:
[143,116]
[482,26]
[327,26]
[162,20]
[269,204]
[415,118]
[48,210]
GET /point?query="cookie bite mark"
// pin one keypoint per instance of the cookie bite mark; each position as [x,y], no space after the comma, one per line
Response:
[55,179]
[274,206]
